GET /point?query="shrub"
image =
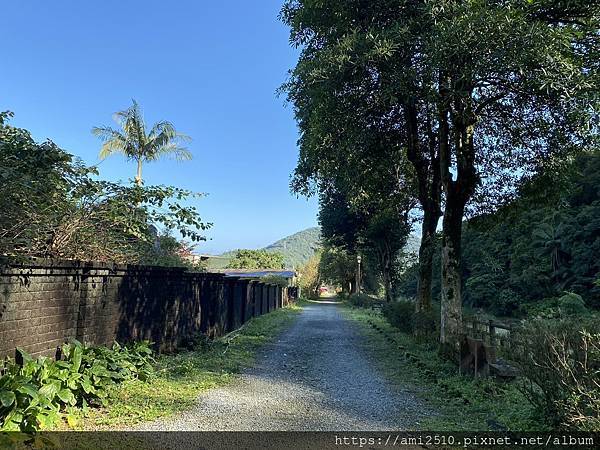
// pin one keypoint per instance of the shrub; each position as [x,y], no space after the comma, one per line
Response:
[198,341]
[309,277]
[572,304]
[37,393]
[343,296]
[400,314]
[568,305]
[560,362]
[426,325]
[277,280]
[361,300]
[544,309]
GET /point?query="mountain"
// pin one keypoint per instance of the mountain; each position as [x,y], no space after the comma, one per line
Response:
[298,247]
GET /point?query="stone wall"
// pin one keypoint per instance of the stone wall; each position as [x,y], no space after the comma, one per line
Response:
[45,303]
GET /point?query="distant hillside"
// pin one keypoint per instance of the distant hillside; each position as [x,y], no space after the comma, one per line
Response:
[298,247]
[219,262]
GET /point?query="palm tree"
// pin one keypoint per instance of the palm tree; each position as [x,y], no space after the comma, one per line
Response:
[133,141]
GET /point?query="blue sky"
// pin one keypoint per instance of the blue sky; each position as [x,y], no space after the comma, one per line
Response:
[212,68]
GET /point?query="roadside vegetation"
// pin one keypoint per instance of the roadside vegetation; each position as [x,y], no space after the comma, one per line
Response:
[462,403]
[101,388]
[40,393]
[54,206]
[181,377]
[556,387]
[475,124]
[256,259]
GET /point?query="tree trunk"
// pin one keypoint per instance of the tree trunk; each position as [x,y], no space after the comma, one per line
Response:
[387,278]
[426,250]
[456,145]
[138,177]
[422,152]
[451,293]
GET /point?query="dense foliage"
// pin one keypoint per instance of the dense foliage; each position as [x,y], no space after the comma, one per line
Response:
[256,259]
[309,276]
[447,103]
[38,393]
[54,206]
[338,268]
[524,257]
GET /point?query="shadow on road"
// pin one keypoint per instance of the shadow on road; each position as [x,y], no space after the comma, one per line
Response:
[315,376]
[329,301]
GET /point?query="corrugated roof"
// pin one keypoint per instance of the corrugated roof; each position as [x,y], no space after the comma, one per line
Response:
[253,273]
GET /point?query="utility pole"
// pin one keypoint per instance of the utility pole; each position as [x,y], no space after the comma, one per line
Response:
[358,260]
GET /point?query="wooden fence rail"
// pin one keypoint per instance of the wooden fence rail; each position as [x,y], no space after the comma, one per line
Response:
[479,351]
[492,332]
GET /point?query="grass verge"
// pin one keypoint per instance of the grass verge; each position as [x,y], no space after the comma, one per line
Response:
[183,376]
[463,403]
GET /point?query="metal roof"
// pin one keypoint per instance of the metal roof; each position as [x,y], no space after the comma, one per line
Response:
[252,273]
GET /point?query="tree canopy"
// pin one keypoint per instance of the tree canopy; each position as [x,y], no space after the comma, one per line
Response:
[54,206]
[476,95]
[256,259]
[134,142]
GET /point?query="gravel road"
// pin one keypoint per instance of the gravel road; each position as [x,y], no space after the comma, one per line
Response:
[316,376]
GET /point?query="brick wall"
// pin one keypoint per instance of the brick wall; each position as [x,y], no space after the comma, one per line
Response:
[45,303]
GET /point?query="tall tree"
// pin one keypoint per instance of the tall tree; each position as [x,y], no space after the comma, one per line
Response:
[373,224]
[479,92]
[357,79]
[136,144]
[55,207]
[518,86]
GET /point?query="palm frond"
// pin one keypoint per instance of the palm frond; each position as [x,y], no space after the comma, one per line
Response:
[173,150]
[106,133]
[163,140]
[184,137]
[110,148]
[163,127]
[133,141]
[114,141]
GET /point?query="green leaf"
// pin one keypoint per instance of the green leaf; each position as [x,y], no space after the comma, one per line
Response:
[66,396]
[50,390]
[87,387]
[48,419]
[72,420]
[14,416]
[7,398]
[76,358]
[29,389]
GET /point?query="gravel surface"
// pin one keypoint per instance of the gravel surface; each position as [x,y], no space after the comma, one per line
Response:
[315,376]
